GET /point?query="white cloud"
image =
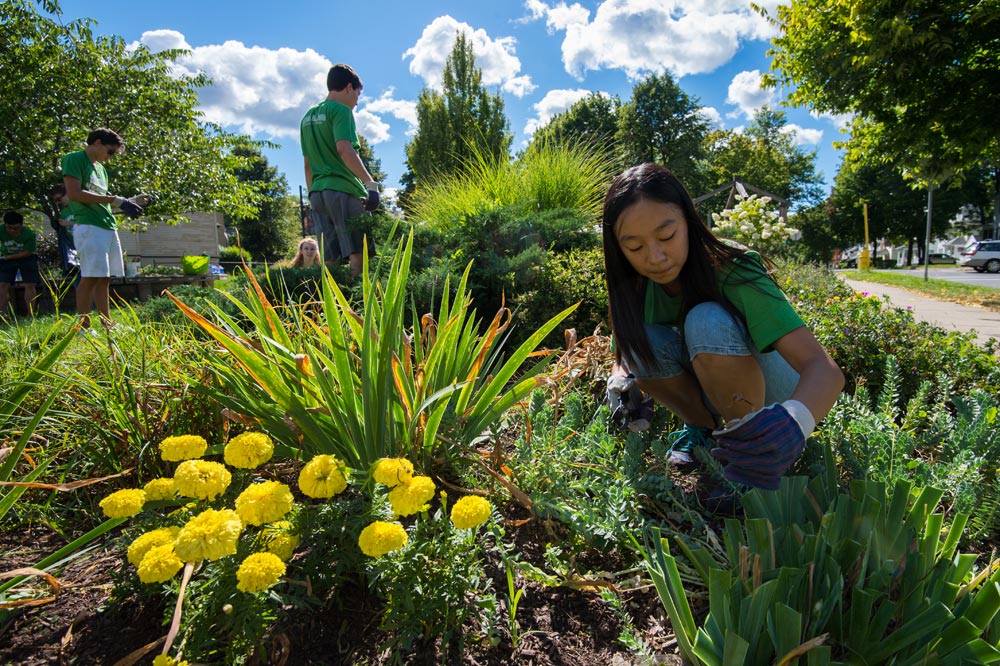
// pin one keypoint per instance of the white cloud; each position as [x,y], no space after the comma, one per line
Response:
[838,120]
[746,93]
[645,36]
[254,89]
[554,103]
[803,136]
[401,109]
[495,57]
[711,116]
[267,91]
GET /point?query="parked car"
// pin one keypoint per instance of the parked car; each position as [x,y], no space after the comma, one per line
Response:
[940,258]
[982,256]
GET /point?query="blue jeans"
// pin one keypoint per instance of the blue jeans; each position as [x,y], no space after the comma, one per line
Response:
[710,329]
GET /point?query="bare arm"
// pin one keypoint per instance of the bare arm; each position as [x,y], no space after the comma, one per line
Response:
[353,161]
[75,192]
[820,380]
[309,174]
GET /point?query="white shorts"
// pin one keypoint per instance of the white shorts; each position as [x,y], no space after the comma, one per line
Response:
[99,251]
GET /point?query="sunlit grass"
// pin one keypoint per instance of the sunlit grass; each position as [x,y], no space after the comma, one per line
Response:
[545,177]
[945,290]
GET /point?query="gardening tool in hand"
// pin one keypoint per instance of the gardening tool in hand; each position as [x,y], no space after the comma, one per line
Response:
[629,407]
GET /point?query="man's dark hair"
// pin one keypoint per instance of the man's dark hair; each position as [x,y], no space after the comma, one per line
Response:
[57,190]
[340,76]
[105,136]
[12,217]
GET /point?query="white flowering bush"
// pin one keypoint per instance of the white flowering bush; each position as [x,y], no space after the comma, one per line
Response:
[752,224]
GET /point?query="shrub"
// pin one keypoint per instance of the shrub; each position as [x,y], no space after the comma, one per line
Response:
[234,254]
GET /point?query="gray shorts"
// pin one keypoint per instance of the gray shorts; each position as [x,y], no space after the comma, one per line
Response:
[341,221]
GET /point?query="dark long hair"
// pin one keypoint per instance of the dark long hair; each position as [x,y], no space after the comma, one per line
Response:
[626,288]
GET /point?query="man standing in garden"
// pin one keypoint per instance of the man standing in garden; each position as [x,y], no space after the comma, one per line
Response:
[95,231]
[340,187]
[17,254]
[64,230]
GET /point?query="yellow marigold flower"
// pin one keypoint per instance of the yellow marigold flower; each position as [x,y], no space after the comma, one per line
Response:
[123,503]
[412,497]
[381,537]
[182,447]
[209,535]
[393,471]
[164,660]
[202,479]
[138,548]
[249,450]
[264,503]
[160,564]
[280,539]
[323,477]
[470,511]
[259,572]
[160,489]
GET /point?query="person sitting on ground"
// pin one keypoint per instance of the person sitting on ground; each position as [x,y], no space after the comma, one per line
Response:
[17,255]
[707,332]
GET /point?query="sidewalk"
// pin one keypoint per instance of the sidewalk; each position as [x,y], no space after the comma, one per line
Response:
[949,316]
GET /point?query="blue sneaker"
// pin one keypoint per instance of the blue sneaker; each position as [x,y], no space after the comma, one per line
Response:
[683,442]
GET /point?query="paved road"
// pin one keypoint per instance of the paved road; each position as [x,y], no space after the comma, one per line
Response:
[964,275]
[950,316]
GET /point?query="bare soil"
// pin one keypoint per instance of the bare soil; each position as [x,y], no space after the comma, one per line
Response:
[81,626]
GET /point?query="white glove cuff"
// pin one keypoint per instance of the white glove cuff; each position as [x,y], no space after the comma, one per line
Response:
[119,201]
[372,186]
[802,416]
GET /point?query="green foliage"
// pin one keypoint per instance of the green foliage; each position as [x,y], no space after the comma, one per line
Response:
[809,573]
[545,177]
[766,157]
[163,310]
[859,331]
[921,85]
[462,123]
[160,269]
[333,380]
[433,587]
[661,123]
[592,120]
[61,81]
[271,228]
[234,254]
[564,462]
[573,276]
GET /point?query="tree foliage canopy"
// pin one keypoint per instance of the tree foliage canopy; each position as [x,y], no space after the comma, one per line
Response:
[920,77]
[462,121]
[268,230]
[592,120]
[662,123]
[60,81]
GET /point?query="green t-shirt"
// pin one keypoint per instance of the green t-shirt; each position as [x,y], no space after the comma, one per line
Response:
[322,127]
[13,244]
[769,315]
[92,177]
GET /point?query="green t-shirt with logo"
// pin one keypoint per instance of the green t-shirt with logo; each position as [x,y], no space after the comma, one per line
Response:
[92,177]
[768,314]
[13,244]
[322,127]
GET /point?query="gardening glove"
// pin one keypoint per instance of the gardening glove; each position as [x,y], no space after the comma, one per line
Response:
[130,208]
[758,448]
[373,200]
[629,407]
[143,200]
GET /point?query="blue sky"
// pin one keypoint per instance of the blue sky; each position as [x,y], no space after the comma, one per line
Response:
[269,60]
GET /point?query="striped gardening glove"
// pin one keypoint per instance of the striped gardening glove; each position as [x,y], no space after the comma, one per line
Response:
[758,448]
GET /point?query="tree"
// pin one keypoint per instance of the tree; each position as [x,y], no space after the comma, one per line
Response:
[766,157]
[456,124]
[662,123]
[593,119]
[60,81]
[920,79]
[270,229]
